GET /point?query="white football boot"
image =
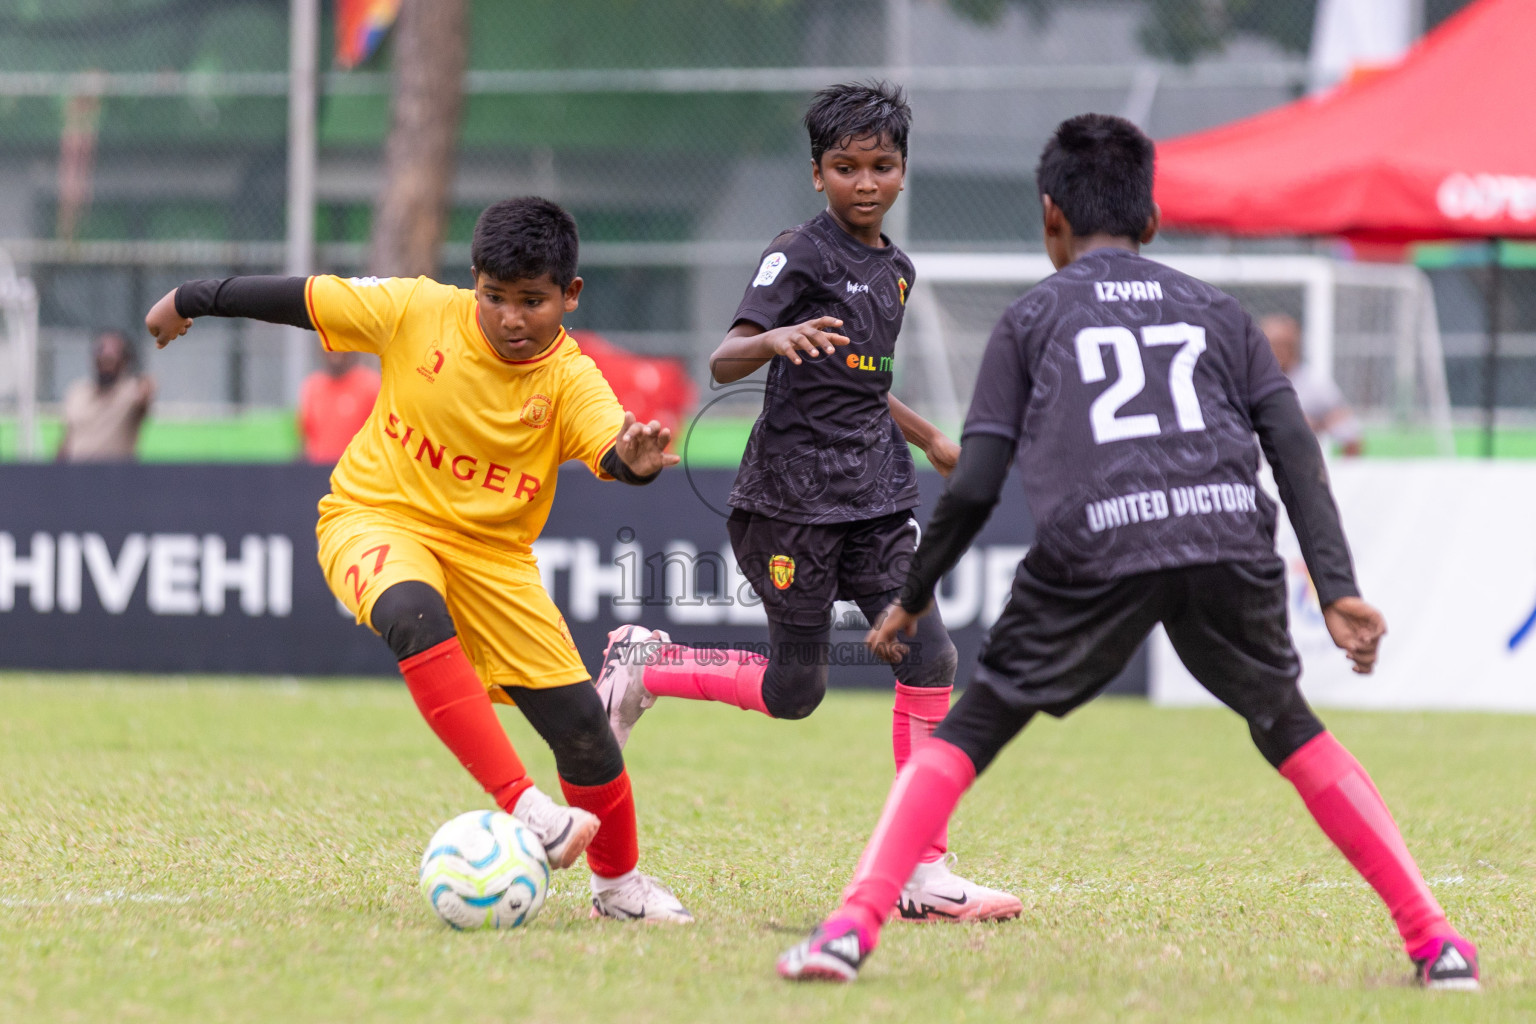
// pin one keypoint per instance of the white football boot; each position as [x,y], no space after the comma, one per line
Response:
[936,893]
[834,952]
[637,897]
[564,831]
[621,680]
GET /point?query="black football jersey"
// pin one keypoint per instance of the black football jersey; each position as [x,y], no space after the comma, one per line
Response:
[825,448]
[1128,387]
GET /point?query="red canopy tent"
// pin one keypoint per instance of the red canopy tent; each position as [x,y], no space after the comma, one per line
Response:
[1442,146]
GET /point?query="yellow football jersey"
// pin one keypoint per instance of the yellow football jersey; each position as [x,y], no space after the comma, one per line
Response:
[460,438]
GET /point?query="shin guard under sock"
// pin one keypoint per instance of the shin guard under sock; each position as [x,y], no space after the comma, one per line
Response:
[453,701]
[917,712]
[698,673]
[1341,796]
[921,800]
[616,848]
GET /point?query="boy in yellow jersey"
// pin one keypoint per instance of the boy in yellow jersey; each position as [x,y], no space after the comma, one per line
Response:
[427,533]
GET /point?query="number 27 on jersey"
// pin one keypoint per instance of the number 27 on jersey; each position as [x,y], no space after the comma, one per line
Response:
[1104,414]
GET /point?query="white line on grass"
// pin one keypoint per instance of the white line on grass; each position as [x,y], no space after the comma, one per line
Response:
[1433,883]
[1111,887]
[113,896]
[94,900]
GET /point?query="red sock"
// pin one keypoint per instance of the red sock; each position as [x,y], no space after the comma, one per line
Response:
[918,711]
[615,850]
[695,673]
[1350,811]
[921,800]
[453,701]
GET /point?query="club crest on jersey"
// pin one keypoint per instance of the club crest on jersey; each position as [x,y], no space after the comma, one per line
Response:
[536,412]
[432,365]
[901,289]
[769,271]
[781,569]
[565,634]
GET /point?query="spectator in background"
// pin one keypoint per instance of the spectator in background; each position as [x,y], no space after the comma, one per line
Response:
[102,416]
[1328,414]
[334,403]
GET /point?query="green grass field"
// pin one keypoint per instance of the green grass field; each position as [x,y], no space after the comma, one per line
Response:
[219,851]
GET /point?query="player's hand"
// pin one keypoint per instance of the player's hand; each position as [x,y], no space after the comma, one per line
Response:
[1357,628]
[883,640]
[809,339]
[164,323]
[943,454]
[643,446]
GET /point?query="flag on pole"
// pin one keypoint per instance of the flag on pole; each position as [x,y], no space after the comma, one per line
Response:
[360,26]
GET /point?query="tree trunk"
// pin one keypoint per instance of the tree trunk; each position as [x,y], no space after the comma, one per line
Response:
[411,213]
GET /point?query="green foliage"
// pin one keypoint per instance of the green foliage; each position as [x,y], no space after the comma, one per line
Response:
[987,12]
[145,35]
[246,851]
[523,34]
[1182,30]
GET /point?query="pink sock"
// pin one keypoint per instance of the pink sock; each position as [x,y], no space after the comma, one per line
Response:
[918,711]
[1350,811]
[921,800]
[700,673]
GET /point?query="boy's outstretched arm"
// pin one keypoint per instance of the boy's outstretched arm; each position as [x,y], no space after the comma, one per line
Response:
[639,452]
[274,299]
[748,346]
[968,499]
[1302,476]
[941,451]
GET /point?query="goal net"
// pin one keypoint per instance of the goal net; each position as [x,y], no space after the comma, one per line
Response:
[1373,326]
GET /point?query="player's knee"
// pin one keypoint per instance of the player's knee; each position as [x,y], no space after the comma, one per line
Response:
[933,663]
[981,725]
[412,617]
[794,691]
[587,754]
[572,720]
[1281,736]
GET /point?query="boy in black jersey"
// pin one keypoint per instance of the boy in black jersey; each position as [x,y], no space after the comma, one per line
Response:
[822,504]
[1129,394]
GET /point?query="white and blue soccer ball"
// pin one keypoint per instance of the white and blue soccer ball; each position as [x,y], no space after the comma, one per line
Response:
[485,869]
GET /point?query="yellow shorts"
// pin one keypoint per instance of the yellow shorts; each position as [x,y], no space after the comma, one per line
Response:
[510,629]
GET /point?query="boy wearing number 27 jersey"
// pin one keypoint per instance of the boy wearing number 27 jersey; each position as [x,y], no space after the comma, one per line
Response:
[462,451]
[1130,395]
[427,533]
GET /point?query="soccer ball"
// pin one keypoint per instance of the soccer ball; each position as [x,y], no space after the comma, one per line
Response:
[485,869]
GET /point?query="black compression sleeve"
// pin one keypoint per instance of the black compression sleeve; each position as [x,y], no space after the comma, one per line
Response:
[620,471]
[1302,476]
[961,512]
[277,300]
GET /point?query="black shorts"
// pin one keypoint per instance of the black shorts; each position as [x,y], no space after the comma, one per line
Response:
[1056,646]
[799,569]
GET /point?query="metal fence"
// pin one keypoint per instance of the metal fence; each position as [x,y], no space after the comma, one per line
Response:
[146,141]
